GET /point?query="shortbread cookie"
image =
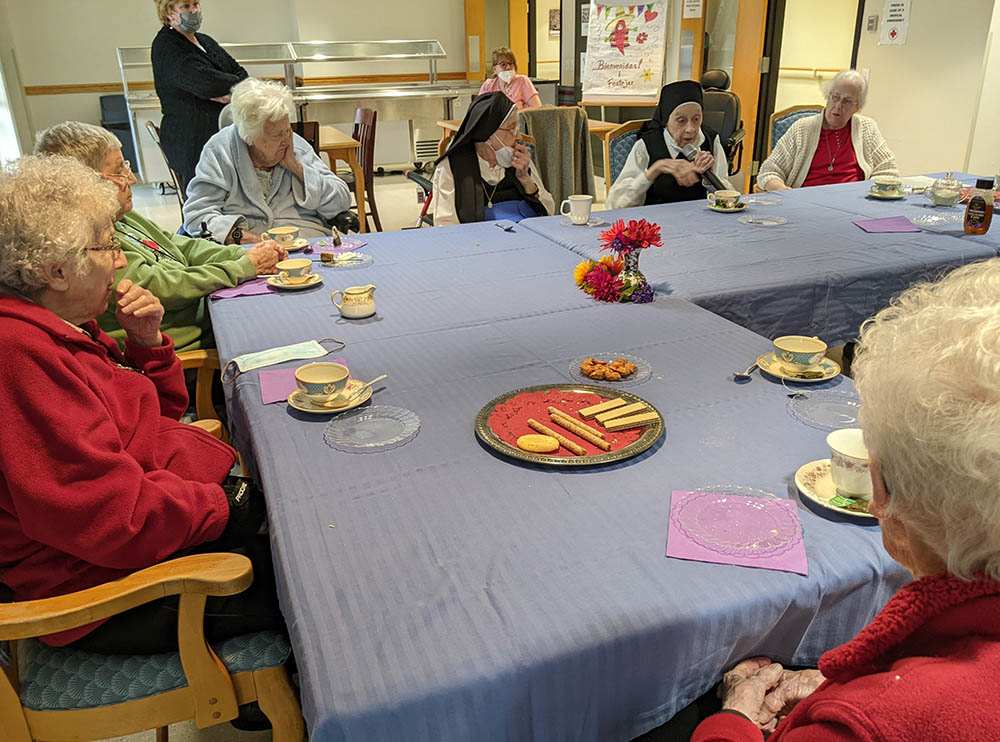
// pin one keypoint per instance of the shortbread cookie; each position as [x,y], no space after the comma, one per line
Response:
[538,443]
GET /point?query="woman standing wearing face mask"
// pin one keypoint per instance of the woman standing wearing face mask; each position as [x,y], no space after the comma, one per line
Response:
[487,173]
[193,75]
[506,80]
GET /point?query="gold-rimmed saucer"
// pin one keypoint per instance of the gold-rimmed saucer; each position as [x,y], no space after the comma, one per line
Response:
[886,196]
[771,365]
[301,402]
[815,482]
[315,279]
[297,244]
[740,205]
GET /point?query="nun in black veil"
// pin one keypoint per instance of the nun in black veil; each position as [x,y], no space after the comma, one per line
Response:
[486,173]
[654,173]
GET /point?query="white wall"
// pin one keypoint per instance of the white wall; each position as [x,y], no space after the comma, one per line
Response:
[547,47]
[815,34]
[925,94]
[984,153]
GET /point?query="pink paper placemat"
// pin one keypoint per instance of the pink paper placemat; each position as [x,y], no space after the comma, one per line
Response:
[889,224]
[763,532]
[277,383]
[253,287]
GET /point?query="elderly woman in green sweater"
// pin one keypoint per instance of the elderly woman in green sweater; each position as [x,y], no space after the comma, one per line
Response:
[180,271]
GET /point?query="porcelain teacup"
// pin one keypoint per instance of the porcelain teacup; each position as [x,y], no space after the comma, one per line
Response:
[886,185]
[357,302]
[799,352]
[322,381]
[294,270]
[579,208]
[284,236]
[849,463]
[724,199]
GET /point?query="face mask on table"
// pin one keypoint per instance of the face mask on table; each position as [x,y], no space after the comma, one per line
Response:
[506,75]
[190,22]
[271,356]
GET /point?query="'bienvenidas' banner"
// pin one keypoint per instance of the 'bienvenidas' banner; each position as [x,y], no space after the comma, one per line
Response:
[625,45]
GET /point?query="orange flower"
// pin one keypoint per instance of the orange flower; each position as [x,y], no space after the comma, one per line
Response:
[613,263]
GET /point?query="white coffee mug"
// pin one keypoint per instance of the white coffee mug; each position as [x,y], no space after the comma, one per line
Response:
[849,463]
[579,208]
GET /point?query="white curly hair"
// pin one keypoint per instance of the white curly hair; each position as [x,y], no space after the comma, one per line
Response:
[848,77]
[52,208]
[928,373]
[87,143]
[256,102]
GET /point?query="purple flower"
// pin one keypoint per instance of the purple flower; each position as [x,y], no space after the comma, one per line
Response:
[643,294]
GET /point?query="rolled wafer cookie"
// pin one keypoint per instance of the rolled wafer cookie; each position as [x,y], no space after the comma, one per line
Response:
[567,416]
[580,430]
[565,442]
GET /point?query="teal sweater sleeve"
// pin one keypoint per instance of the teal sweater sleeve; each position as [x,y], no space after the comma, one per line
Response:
[191,268]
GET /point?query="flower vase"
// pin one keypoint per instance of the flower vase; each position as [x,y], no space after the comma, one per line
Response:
[630,276]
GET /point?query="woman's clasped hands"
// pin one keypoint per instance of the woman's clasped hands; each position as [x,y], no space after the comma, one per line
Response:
[686,173]
[764,691]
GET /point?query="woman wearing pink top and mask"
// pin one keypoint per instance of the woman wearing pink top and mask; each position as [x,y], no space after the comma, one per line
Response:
[506,80]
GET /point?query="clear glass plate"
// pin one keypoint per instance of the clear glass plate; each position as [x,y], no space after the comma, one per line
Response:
[762,199]
[376,428]
[642,371]
[937,220]
[826,410]
[734,489]
[763,220]
[737,526]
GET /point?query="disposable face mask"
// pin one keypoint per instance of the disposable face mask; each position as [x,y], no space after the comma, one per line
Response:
[504,155]
[506,75]
[190,22]
[271,356]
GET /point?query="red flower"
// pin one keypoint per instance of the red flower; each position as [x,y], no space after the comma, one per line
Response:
[638,235]
[605,285]
[641,38]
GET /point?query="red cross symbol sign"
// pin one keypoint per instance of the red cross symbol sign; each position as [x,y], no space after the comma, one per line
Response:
[892,34]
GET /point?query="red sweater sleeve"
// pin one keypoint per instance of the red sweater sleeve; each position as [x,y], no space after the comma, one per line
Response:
[727,727]
[73,484]
[163,368]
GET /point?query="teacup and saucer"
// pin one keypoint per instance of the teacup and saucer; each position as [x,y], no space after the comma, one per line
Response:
[725,201]
[798,358]
[287,237]
[887,187]
[325,388]
[294,273]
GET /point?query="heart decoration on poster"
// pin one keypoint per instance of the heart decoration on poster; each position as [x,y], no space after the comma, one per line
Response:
[650,15]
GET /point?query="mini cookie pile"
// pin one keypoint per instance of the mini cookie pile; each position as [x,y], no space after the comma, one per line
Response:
[602,371]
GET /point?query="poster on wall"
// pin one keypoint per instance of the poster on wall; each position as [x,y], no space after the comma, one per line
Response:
[692,9]
[625,47]
[584,20]
[554,22]
[896,15]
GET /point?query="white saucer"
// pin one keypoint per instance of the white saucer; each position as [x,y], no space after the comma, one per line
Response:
[739,207]
[315,279]
[594,221]
[769,364]
[302,403]
[815,481]
[297,244]
[886,196]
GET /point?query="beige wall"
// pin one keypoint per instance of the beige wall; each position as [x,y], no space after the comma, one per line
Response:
[925,94]
[984,153]
[547,47]
[816,34]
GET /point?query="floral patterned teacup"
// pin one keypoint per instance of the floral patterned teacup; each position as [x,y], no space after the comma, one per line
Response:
[799,352]
[849,463]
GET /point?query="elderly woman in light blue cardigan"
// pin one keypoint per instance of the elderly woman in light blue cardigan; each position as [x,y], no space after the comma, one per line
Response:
[256,174]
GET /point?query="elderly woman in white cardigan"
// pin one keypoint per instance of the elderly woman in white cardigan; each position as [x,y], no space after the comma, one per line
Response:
[256,174]
[837,146]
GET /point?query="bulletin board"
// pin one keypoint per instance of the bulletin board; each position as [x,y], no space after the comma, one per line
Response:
[625,52]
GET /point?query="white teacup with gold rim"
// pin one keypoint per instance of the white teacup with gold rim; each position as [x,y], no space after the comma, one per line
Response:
[294,270]
[886,185]
[322,381]
[284,236]
[849,465]
[724,199]
[799,352]
[356,302]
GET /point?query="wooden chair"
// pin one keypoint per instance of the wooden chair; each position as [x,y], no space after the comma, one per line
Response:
[207,364]
[308,130]
[781,121]
[620,141]
[154,133]
[60,694]
[365,120]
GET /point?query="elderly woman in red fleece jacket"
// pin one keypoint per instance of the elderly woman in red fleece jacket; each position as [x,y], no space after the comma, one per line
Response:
[98,478]
[928,374]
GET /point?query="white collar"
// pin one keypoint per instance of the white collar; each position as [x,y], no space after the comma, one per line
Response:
[672,147]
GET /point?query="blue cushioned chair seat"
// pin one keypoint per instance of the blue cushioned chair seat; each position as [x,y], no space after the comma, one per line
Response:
[782,124]
[62,678]
[618,151]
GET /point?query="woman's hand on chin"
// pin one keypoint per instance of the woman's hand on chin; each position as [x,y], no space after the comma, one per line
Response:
[139,313]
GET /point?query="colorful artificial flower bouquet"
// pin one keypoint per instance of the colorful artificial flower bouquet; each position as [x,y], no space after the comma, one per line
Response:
[618,279]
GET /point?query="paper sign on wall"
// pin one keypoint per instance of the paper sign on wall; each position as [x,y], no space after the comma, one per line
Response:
[692,8]
[896,19]
[625,46]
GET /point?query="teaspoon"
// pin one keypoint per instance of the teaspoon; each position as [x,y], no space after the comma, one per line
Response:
[746,374]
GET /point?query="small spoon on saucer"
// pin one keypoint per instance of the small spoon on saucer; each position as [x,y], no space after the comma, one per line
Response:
[359,392]
[746,374]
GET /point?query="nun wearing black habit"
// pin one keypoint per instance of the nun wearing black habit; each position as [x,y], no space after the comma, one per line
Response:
[486,173]
[654,172]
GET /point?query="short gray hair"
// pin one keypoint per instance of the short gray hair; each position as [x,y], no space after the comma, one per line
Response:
[87,143]
[52,209]
[848,77]
[257,102]
[928,373]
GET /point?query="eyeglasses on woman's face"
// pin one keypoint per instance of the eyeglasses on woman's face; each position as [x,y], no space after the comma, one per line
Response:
[114,247]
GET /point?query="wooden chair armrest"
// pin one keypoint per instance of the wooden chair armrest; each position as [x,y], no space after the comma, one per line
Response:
[199,359]
[212,427]
[200,574]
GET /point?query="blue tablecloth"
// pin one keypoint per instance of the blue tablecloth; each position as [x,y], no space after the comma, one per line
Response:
[461,595]
[819,274]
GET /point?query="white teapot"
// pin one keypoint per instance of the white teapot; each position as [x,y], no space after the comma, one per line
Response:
[944,191]
[357,302]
